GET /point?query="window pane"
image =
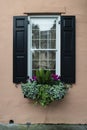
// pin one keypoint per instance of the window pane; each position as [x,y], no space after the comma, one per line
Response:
[52,55]
[35,34]
[43,37]
[35,26]
[35,44]
[35,55]
[51,44]
[44,59]
[43,44]
[51,65]
[43,24]
[35,64]
[44,33]
[53,34]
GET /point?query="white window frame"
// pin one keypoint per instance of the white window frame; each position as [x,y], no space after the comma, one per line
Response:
[58,42]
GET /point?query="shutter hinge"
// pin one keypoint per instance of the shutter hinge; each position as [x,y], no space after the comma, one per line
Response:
[28,22]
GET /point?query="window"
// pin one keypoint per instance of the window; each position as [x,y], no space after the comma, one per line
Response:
[43,44]
[44,41]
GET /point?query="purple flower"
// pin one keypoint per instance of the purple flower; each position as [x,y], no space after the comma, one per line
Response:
[55,77]
[34,78]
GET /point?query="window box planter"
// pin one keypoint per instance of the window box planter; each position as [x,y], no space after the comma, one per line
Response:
[44,88]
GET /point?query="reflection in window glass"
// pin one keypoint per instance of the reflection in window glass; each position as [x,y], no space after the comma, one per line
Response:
[44,59]
[44,24]
[43,37]
[35,34]
[43,44]
[35,44]
[35,55]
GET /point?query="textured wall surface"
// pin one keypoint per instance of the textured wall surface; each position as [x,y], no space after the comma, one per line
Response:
[73,108]
[42,127]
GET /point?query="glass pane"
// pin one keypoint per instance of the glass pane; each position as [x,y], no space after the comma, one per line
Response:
[51,64]
[43,30]
[35,44]
[35,26]
[35,34]
[53,34]
[52,55]
[50,34]
[43,64]
[43,34]
[35,55]
[43,37]
[43,55]
[35,65]
[43,59]
[51,44]
[43,24]
[43,44]
[54,25]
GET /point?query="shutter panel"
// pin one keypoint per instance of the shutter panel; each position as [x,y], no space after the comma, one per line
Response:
[68,49]
[19,49]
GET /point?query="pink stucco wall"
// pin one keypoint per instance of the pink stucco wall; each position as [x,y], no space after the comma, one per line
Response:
[73,109]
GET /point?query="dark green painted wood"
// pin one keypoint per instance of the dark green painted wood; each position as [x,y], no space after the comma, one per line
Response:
[68,49]
[19,49]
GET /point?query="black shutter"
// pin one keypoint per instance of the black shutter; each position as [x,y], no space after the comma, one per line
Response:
[68,49]
[19,49]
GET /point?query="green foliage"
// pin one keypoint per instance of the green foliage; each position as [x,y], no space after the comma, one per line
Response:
[30,90]
[43,76]
[44,98]
[44,93]
[45,87]
[58,91]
